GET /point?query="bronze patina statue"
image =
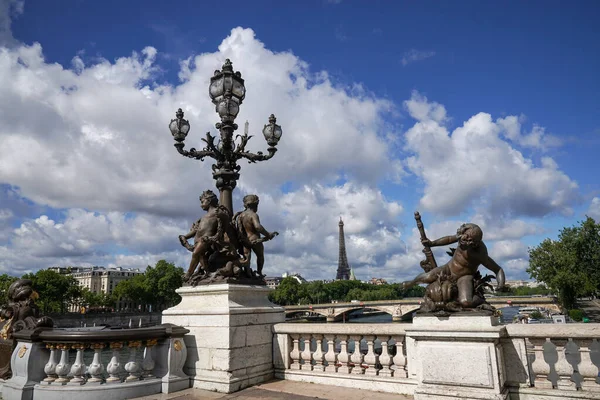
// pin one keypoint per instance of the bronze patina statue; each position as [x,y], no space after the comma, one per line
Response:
[457,285]
[249,230]
[19,314]
[221,253]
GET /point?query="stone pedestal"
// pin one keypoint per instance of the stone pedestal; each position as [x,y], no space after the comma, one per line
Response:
[457,357]
[230,341]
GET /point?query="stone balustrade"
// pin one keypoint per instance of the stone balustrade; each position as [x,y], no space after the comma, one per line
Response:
[365,356]
[537,361]
[50,364]
[553,360]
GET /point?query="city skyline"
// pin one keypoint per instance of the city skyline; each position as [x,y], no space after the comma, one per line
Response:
[465,112]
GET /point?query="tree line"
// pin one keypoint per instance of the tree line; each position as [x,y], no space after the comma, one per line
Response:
[291,292]
[156,288]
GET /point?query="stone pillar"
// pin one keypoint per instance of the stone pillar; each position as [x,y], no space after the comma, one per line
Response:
[230,344]
[27,363]
[458,357]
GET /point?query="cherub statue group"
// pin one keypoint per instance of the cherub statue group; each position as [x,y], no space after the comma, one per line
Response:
[457,285]
[223,244]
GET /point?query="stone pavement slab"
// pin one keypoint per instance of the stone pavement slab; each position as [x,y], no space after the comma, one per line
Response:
[282,390]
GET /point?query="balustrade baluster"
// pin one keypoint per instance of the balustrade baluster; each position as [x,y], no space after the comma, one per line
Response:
[78,367]
[586,368]
[96,369]
[133,366]
[63,367]
[540,368]
[357,356]
[400,359]
[295,358]
[50,367]
[563,368]
[343,357]
[318,355]
[306,354]
[114,367]
[331,356]
[385,359]
[371,359]
[148,363]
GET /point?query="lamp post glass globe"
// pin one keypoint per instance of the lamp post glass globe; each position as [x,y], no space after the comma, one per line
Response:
[179,127]
[272,132]
[227,91]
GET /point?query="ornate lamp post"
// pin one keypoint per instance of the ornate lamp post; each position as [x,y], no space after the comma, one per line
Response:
[227,92]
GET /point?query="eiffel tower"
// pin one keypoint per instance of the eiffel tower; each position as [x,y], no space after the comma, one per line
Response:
[343,271]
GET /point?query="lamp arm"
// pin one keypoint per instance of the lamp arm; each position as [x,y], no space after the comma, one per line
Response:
[252,158]
[193,153]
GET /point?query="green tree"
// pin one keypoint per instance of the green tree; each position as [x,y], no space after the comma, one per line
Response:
[289,292]
[56,291]
[569,266]
[155,287]
[161,282]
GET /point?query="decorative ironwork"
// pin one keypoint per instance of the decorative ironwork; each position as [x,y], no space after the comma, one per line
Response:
[218,254]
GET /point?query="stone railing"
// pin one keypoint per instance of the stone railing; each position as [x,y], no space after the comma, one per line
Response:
[523,361]
[364,356]
[553,360]
[50,364]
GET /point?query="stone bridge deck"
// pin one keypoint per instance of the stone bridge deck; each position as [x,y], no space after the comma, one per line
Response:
[284,390]
[399,309]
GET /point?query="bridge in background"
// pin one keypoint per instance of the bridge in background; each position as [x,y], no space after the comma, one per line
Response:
[401,309]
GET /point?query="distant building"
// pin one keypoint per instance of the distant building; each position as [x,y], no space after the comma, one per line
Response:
[378,281]
[273,281]
[352,276]
[520,283]
[343,271]
[100,280]
[297,277]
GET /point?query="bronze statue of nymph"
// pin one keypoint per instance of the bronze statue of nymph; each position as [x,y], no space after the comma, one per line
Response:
[457,285]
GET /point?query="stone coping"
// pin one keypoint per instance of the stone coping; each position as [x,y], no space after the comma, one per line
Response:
[341,329]
[574,331]
[220,288]
[52,335]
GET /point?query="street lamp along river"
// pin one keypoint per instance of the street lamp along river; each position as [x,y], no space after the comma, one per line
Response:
[222,245]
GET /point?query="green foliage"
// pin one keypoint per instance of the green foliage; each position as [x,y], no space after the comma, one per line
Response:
[576,315]
[570,266]
[56,291]
[91,299]
[525,291]
[291,292]
[536,315]
[155,287]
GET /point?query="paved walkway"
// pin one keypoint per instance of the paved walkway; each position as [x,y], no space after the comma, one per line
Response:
[284,390]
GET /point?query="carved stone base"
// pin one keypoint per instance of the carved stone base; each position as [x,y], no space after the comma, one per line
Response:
[230,340]
[242,280]
[457,357]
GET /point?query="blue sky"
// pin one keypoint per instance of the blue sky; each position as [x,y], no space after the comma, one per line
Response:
[417,71]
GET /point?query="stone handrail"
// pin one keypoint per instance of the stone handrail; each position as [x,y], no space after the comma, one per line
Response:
[43,365]
[367,356]
[560,357]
